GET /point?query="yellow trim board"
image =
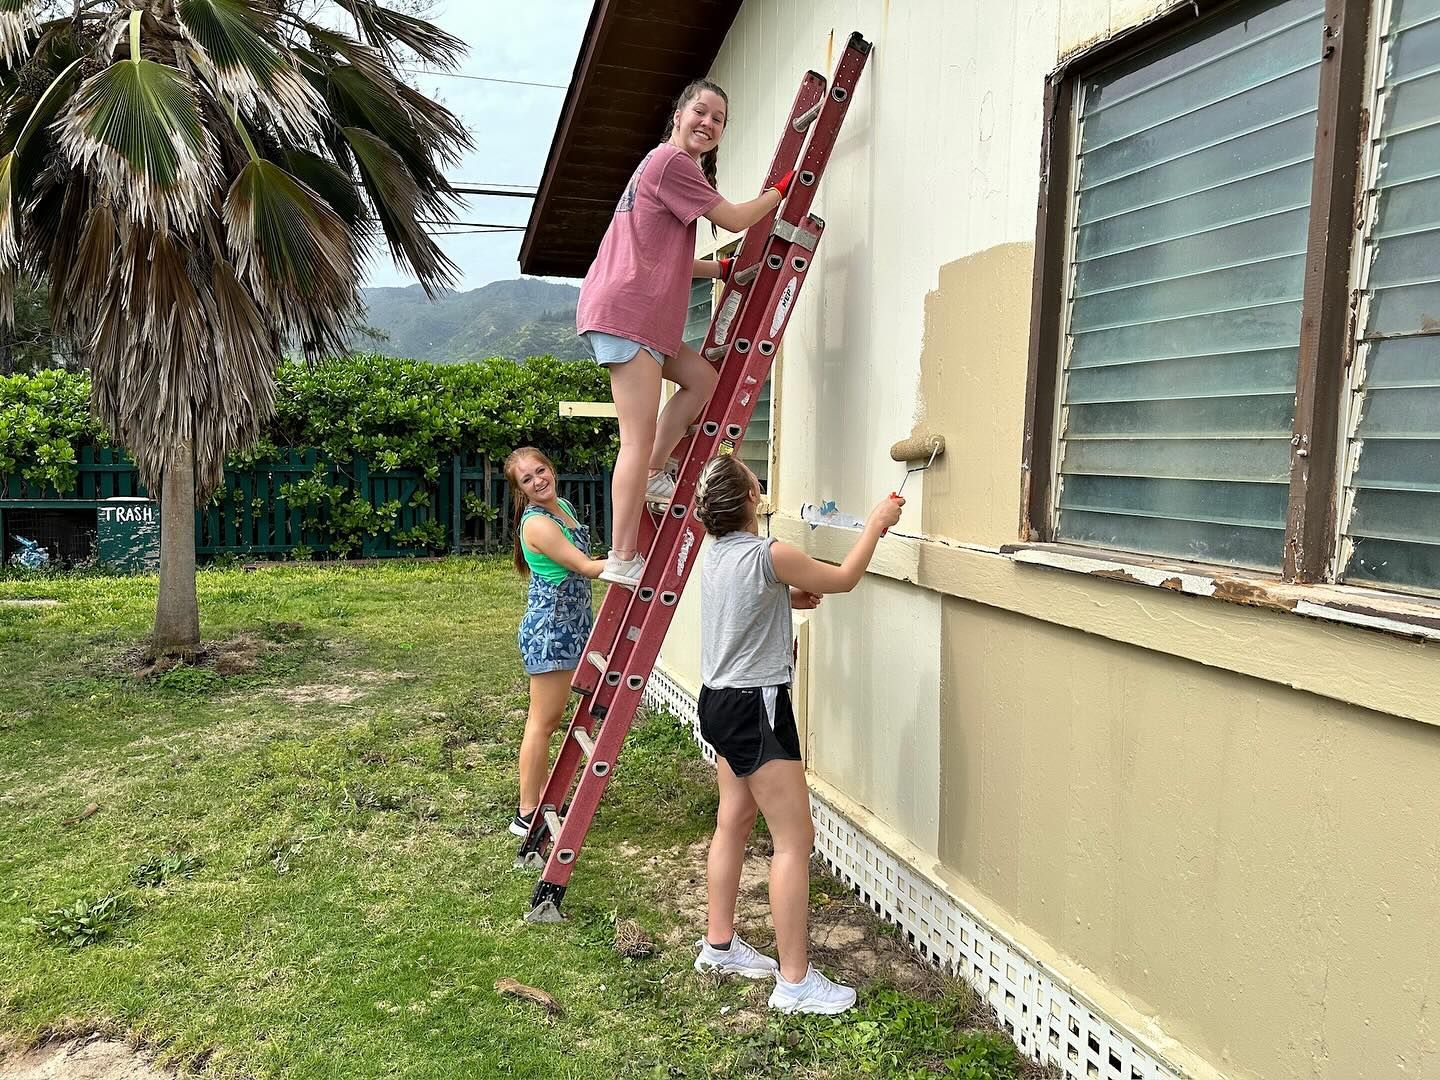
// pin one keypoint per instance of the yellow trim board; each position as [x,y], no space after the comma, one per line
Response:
[588,408]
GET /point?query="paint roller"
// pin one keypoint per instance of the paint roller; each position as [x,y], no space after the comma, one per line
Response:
[928,447]
[914,448]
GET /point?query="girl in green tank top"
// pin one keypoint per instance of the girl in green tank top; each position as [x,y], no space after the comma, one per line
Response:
[552,548]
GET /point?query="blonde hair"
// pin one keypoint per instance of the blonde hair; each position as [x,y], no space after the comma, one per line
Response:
[519,500]
[722,495]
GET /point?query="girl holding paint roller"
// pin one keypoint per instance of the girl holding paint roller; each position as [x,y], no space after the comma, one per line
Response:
[747,587]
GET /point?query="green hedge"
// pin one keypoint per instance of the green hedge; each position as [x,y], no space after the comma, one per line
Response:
[396,414]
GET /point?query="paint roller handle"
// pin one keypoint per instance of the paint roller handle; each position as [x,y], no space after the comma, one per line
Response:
[887,511]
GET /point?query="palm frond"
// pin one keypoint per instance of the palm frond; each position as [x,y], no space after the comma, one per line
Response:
[331,183]
[9,218]
[236,49]
[77,293]
[137,126]
[17,28]
[423,139]
[384,27]
[400,203]
[439,128]
[370,61]
[293,251]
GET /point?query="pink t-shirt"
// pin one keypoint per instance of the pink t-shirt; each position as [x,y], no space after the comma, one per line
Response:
[638,286]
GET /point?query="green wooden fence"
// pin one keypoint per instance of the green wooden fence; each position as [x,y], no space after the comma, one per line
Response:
[251,516]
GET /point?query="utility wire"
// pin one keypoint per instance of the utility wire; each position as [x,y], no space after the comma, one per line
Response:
[467,189]
[486,78]
[451,224]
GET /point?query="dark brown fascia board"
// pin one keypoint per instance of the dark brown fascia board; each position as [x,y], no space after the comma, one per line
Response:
[596,31]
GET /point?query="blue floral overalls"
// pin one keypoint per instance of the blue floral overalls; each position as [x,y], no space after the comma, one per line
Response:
[558,616]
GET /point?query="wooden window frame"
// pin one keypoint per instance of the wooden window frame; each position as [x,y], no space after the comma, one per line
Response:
[1327,308]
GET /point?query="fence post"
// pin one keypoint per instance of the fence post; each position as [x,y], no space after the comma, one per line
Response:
[457,507]
[361,470]
[485,538]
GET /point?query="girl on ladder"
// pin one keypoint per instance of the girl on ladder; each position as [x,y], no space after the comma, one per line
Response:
[633,302]
[747,587]
[553,549]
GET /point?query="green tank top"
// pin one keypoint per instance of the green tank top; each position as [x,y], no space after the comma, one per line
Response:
[541,565]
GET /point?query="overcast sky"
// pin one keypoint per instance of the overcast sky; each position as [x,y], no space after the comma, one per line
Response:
[511,126]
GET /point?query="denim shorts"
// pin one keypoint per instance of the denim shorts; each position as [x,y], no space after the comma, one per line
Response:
[609,349]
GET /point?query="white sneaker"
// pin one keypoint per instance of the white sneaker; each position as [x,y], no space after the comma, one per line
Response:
[812,994]
[740,959]
[624,571]
[659,489]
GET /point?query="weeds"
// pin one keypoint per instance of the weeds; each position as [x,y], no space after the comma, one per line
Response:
[83,923]
[155,872]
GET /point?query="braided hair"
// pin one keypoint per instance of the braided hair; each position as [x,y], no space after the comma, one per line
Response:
[722,495]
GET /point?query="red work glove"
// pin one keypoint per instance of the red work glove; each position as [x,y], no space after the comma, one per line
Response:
[727,267]
[783,186]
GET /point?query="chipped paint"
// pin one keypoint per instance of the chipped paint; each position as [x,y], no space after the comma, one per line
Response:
[1193,584]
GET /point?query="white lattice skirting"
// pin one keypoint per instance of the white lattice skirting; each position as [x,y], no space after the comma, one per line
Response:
[1036,1007]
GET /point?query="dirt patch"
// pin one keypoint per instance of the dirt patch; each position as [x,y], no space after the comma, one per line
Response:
[92,1058]
[348,688]
[320,694]
[847,941]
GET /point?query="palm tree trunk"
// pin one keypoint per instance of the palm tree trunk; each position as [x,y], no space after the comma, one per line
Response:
[177,612]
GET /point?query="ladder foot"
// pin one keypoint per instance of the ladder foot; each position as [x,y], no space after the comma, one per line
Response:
[530,860]
[544,913]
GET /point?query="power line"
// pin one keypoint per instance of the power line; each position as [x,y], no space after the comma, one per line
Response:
[467,189]
[486,78]
[473,232]
[467,224]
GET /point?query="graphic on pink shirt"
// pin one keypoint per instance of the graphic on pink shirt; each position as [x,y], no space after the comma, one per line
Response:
[627,198]
[638,287]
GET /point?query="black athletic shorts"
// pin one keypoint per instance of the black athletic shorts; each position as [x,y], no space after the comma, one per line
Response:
[749,726]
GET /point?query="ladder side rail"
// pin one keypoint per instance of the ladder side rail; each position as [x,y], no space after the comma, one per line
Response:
[826,130]
[625,701]
[635,606]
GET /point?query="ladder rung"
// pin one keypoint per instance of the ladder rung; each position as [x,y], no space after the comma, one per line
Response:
[552,822]
[587,744]
[805,119]
[598,659]
[715,352]
[749,274]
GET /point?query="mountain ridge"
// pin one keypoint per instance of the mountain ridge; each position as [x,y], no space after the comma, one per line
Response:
[515,318]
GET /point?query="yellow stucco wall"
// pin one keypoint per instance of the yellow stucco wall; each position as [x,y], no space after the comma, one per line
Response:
[1253,865]
[1216,821]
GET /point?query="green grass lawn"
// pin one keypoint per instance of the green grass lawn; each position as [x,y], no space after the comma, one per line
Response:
[324,808]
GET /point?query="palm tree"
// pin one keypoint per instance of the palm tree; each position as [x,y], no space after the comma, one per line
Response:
[200,182]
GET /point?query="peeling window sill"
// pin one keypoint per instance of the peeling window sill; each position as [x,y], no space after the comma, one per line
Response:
[1412,617]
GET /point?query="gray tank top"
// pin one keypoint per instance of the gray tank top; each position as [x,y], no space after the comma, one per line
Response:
[745,633]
